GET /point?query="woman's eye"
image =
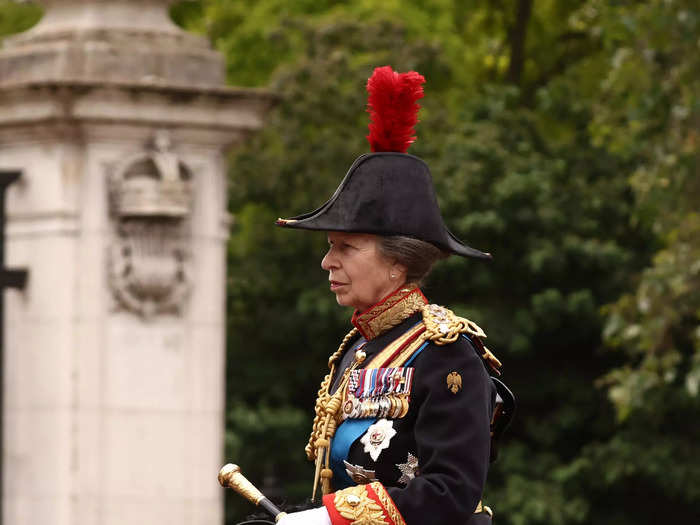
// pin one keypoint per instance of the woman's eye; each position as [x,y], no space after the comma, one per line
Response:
[341,246]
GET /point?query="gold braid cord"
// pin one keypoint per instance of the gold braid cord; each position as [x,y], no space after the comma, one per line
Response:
[388,504]
[322,427]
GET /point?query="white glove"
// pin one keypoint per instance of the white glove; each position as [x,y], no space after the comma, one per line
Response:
[307,517]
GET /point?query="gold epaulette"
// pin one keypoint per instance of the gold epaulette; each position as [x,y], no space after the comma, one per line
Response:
[442,327]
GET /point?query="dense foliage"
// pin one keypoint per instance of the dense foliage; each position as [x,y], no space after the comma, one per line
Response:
[563,138]
[17,17]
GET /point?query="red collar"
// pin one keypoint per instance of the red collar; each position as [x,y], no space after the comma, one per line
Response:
[390,311]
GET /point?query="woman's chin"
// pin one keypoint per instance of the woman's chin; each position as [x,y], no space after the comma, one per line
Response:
[343,300]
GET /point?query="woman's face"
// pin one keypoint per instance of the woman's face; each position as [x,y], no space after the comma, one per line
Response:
[359,274]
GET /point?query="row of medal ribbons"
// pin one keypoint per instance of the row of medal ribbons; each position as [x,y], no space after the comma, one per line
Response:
[375,382]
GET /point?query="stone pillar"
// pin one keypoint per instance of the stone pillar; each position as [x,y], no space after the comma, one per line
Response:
[114,374]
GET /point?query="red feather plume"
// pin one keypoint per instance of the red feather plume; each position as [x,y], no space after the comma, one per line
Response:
[393,108]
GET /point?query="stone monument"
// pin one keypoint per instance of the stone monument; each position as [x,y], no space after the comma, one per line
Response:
[114,351]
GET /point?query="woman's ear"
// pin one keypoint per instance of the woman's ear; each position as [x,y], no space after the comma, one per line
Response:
[398,272]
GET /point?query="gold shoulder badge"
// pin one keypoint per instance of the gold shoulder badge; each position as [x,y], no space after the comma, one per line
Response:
[454,382]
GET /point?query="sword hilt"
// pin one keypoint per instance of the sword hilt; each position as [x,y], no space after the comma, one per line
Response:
[230,476]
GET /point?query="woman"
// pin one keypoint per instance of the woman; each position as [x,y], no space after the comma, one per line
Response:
[402,426]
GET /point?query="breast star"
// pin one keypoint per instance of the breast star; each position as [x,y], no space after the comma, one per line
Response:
[378,437]
[408,469]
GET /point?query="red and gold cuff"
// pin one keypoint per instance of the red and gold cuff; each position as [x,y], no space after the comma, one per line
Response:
[362,505]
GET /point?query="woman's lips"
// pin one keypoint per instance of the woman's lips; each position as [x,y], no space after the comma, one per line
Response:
[336,284]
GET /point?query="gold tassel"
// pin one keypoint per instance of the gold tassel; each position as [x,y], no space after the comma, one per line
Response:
[325,427]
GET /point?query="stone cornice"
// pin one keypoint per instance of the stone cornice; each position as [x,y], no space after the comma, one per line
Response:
[73,102]
[110,41]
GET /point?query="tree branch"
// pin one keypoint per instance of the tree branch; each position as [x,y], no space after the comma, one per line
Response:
[517,37]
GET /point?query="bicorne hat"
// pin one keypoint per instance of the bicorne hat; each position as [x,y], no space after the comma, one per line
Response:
[388,192]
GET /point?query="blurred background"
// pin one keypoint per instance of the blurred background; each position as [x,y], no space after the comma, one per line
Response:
[563,138]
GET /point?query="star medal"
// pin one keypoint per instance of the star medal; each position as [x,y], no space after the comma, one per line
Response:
[408,469]
[378,437]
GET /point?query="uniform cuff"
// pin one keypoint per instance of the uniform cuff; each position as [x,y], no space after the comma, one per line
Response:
[366,504]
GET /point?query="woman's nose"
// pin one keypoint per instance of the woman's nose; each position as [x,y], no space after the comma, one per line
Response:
[328,261]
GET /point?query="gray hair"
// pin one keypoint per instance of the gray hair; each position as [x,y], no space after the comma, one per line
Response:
[417,256]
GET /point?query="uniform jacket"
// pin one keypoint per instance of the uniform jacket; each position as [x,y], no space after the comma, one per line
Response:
[429,464]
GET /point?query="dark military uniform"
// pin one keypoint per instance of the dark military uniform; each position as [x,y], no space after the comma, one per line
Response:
[432,460]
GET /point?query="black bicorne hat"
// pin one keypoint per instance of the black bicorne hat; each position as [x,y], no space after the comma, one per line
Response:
[387,192]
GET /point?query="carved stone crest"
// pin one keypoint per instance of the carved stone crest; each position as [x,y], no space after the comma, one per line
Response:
[151,201]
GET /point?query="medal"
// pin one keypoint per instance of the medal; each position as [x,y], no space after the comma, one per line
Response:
[372,383]
[358,474]
[378,437]
[408,470]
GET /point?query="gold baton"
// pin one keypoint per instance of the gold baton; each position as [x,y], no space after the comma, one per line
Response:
[230,476]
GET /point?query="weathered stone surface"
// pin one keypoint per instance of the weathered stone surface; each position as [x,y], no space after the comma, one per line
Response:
[109,41]
[123,412]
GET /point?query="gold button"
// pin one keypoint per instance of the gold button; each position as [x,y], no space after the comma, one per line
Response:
[353,500]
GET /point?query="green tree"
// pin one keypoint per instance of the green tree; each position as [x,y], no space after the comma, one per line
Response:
[651,116]
[15,17]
